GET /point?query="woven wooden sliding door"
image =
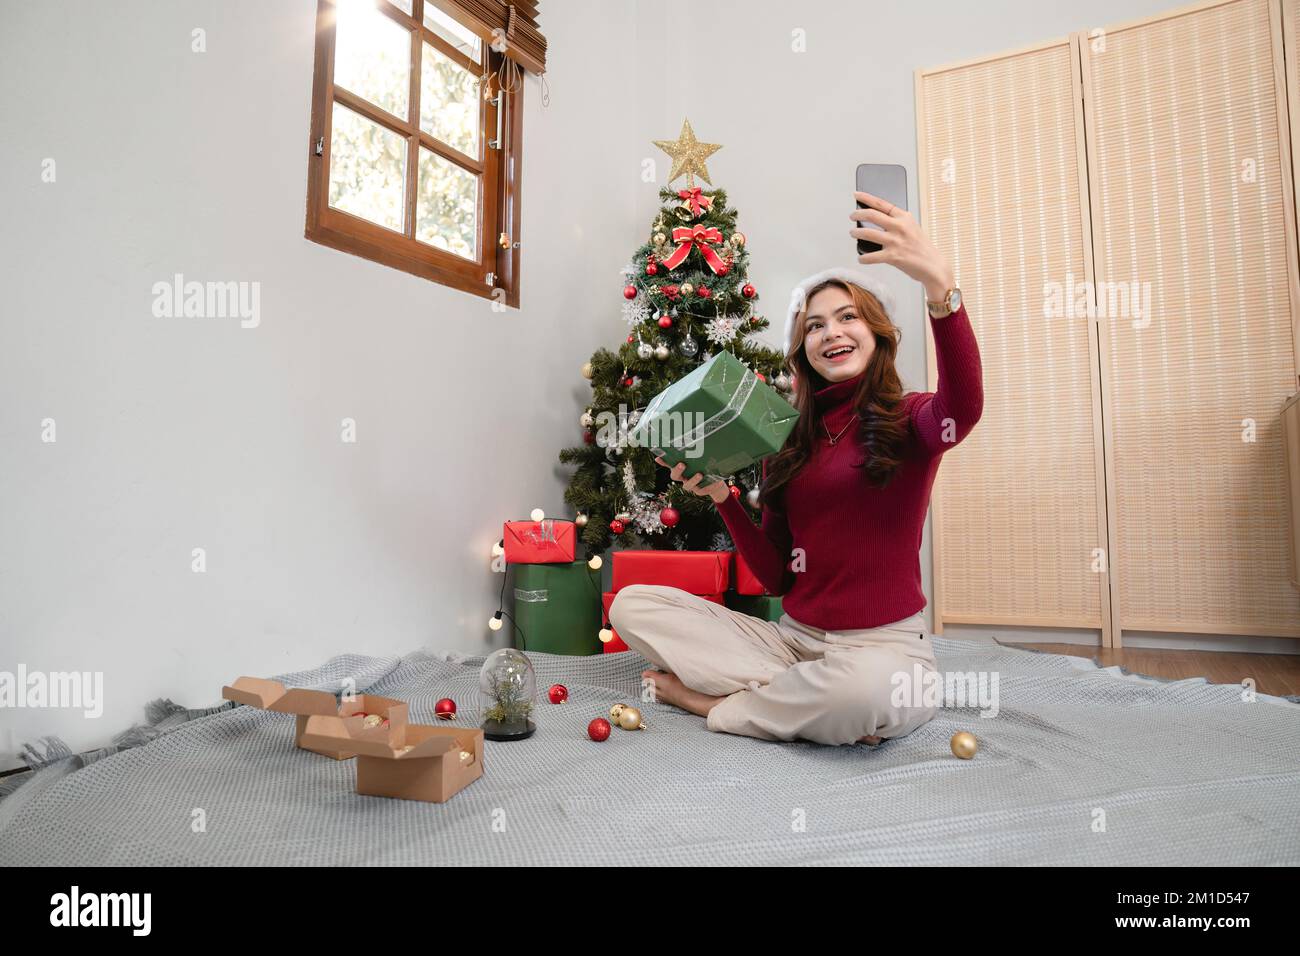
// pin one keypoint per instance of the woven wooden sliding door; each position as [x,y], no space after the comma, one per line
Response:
[1193,225]
[1018,507]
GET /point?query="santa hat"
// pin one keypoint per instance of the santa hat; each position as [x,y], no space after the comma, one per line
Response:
[859,277]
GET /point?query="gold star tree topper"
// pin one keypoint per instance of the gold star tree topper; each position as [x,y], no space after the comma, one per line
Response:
[688,155]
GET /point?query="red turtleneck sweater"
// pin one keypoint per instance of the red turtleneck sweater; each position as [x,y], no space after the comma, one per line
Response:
[861,545]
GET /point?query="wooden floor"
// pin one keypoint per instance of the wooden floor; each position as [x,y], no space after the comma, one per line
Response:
[1276,674]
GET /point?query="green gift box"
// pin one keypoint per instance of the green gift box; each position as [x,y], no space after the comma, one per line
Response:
[766,606]
[557,608]
[719,419]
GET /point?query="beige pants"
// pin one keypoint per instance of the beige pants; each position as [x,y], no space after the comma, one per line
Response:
[782,680]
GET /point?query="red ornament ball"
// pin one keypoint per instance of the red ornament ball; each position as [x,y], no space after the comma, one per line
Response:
[558,693]
[703,292]
[760,376]
[629,292]
[651,269]
[748,291]
[617,526]
[598,729]
[735,491]
[627,382]
[588,437]
[631,337]
[670,517]
[665,322]
[445,708]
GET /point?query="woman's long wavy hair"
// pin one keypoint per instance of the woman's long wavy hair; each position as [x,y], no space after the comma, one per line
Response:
[878,400]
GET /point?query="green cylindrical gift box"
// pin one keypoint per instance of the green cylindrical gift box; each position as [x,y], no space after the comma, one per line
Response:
[557,608]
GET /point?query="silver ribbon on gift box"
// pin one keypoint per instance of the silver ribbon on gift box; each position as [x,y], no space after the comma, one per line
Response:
[719,419]
[543,532]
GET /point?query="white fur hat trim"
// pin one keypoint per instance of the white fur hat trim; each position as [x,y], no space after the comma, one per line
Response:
[858,277]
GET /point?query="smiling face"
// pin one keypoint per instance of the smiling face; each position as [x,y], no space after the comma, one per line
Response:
[837,340]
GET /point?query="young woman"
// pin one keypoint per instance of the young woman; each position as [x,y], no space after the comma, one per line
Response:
[843,507]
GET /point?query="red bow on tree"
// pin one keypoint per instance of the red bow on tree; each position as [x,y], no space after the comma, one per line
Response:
[695,197]
[698,237]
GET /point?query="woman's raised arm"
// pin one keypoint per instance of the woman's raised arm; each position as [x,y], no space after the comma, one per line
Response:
[943,418]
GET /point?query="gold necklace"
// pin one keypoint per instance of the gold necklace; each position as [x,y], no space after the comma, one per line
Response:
[842,430]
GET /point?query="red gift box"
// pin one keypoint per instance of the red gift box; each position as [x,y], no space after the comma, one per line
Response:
[616,643]
[699,572]
[746,582]
[539,542]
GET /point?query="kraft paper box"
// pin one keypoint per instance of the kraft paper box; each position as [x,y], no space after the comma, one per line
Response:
[434,768]
[539,542]
[719,419]
[272,695]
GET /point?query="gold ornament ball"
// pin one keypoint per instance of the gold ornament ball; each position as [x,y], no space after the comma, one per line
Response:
[964,744]
[616,710]
[580,521]
[687,288]
[660,238]
[738,238]
[629,718]
[587,370]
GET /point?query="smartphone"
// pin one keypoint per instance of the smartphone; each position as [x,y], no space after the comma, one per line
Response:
[886,181]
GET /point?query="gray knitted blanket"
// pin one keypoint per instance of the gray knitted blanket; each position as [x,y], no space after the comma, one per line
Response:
[1081,765]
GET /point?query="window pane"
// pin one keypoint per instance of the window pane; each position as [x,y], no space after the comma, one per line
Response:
[446,205]
[449,102]
[403,5]
[367,169]
[372,56]
[458,35]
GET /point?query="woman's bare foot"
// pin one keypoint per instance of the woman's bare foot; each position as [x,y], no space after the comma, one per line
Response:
[669,689]
[870,739]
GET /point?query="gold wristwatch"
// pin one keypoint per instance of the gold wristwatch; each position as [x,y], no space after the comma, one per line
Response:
[949,304]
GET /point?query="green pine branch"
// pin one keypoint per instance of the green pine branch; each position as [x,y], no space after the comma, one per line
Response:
[596,488]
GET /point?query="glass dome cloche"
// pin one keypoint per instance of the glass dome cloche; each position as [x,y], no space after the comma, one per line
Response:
[507,687]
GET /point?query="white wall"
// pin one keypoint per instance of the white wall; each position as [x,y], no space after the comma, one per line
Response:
[182,433]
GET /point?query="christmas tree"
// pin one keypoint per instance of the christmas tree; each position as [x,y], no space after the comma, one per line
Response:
[687,295]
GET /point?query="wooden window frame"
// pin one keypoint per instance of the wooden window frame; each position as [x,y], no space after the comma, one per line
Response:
[497,267]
